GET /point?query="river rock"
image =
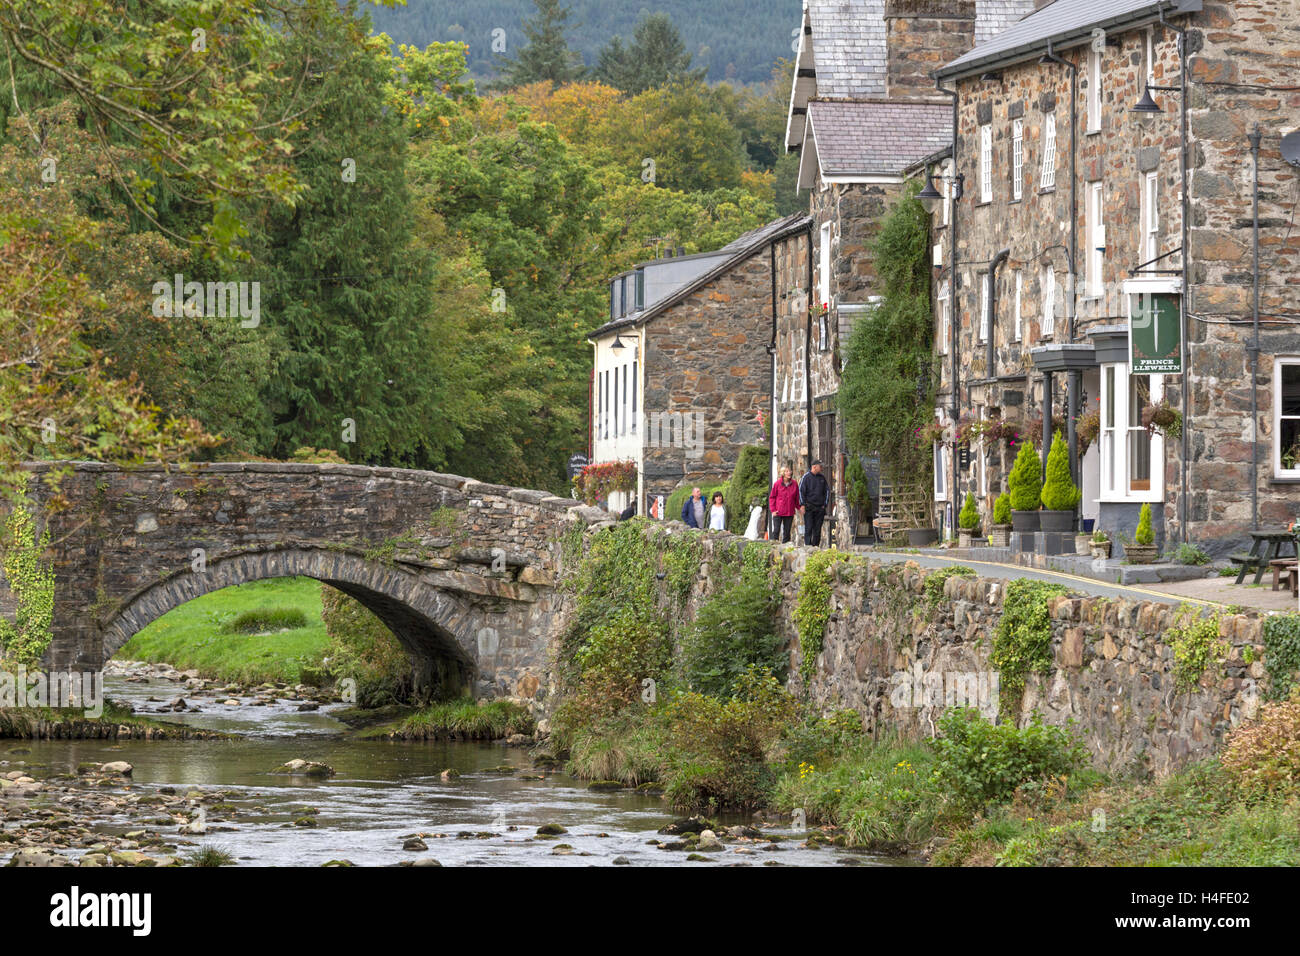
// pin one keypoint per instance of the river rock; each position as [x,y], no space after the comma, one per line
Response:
[550,829]
[34,857]
[116,766]
[622,861]
[310,705]
[415,844]
[306,768]
[449,774]
[709,842]
[426,861]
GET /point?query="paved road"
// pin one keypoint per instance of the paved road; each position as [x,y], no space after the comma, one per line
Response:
[1074,582]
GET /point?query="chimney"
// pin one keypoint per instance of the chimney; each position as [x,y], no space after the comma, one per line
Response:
[920,37]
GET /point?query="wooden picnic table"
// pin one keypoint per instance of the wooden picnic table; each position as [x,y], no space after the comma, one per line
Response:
[1267,546]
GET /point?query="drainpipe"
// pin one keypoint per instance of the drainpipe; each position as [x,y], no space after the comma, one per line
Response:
[771,377]
[953,285]
[1071,280]
[1254,136]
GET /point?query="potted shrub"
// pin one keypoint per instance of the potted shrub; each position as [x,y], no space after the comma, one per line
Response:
[1082,542]
[1143,548]
[968,520]
[1025,486]
[1000,533]
[1060,494]
[1100,544]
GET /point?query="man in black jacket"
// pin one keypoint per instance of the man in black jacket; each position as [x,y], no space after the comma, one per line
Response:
[815,494]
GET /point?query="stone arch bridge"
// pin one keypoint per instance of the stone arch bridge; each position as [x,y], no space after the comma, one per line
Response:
[461,571]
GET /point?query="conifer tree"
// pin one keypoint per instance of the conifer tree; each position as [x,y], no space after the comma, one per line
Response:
[1025,481]
[1060,493]
[546,55]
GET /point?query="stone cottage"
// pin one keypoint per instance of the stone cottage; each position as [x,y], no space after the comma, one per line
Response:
[863,111]
[1105,246]
[682,371]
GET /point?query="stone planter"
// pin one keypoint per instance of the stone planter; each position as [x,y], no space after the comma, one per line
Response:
[1060,522]
[1101,550]
[966,539]
[1025,522]
[1000,536]
[1082,543]
[1140,553]
[922,537]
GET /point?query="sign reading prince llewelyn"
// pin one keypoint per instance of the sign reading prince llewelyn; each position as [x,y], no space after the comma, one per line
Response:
[1155,341]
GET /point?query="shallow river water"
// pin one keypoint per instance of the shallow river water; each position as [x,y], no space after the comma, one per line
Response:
[385,792]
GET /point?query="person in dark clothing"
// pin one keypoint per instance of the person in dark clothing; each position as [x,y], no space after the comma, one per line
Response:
[628,512]
[693,509]
[815,498]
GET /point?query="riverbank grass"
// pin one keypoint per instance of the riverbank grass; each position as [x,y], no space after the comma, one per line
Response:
[252,633]
[461,720]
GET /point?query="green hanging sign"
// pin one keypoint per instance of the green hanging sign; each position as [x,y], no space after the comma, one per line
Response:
[1155,335]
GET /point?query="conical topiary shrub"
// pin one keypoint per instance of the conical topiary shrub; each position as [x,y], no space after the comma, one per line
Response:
[1002,509]
[969,518]
[1144,534]
[1025,482]
[1060,493]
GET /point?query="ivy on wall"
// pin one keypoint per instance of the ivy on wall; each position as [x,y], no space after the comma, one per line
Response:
[1022,644]
[31,579]
[812,608]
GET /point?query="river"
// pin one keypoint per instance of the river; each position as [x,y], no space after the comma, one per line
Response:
[384,793]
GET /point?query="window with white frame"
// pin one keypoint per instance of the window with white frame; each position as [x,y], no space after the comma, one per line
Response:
[1286,417]
[986,163]
[1150,218]
[1048,282]
[824,268]
[1132,458]
[945,319]
[1017,158]
[948,187]
[942,467]
[1094,91]
[1048,178]
[1149,57]
[1096,231]
[984,306]
[1020,287]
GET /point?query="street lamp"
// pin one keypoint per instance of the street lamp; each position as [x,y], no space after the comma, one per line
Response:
[1147,103]
[931,197]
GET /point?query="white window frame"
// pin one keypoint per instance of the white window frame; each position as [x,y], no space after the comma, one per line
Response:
[1017,159]
[824,267]
[986,163]
[985,284]
[1149,54]
[1150,243]
[1095,261]
[1094,91]
[1047,329]
[1279,471]
[1020,287]
[1048,178]
[1114,438]
[945,319]
[942,464]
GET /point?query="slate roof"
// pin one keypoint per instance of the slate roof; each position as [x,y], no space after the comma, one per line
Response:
[881,138]
[1063,22]
[741,248]
[994,16]
[848,47]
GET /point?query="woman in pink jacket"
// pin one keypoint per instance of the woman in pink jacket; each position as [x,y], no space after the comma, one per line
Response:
[784,501]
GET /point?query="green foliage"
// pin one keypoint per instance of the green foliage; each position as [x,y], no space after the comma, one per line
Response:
[1187,553]
[813,607]
[1261,756]
[735,629]
[1282,653]
[1144,535]
[1022,644]
[748,486]
[969,517]
[1002,509]
[720,761]
[934,581]
[31,579]
[1195,642]
[857,489]
[363,649]
[655,57]
[461,720]
[980,763]
[546,55]
[1025,483]
[265,619]
[1059,493]
[888,370]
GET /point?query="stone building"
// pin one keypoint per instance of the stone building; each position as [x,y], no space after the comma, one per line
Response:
[864,111]
[1074,213]
[683,370]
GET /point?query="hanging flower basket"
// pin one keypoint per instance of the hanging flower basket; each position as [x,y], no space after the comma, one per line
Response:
[596,482]
[1163,418]
[930,433]
[1086,429]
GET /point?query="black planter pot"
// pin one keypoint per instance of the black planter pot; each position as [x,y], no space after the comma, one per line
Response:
[922,537]
[1024,522]
[1058,521]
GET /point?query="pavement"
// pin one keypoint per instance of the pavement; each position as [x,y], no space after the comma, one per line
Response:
[1209,592]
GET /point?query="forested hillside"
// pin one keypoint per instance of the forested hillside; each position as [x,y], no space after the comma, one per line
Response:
[737,40]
